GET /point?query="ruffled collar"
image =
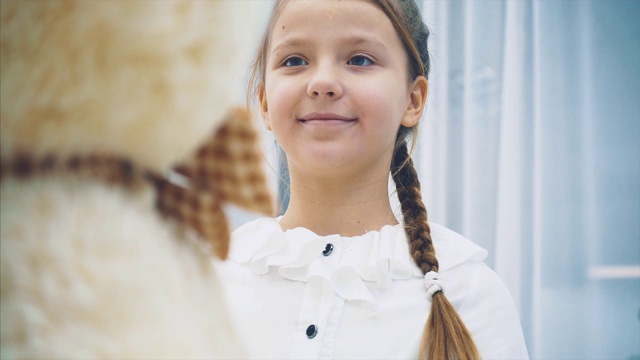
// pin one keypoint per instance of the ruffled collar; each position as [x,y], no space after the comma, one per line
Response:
[376,257]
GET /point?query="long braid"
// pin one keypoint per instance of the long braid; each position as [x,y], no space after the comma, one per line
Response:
[445,335]
[413,209]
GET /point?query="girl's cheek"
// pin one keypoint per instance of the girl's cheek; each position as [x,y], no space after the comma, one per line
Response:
[283,93]
[290,85]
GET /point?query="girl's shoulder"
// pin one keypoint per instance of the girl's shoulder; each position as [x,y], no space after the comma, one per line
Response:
[251,236]
[259,228]
[454,249]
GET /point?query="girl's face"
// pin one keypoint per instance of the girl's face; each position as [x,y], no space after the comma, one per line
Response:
[337,87]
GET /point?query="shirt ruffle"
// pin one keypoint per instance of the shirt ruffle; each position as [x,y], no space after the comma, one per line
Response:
[377,257]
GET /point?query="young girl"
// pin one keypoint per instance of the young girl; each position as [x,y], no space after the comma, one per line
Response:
[342,85]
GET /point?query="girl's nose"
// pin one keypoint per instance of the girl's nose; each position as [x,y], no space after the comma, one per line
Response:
[325,83]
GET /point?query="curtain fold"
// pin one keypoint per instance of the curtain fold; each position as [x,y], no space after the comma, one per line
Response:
[530,147]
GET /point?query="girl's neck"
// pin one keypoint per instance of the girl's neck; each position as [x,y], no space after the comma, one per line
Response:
[345,206]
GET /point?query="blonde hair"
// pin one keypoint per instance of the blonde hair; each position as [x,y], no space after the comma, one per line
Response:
[445,336]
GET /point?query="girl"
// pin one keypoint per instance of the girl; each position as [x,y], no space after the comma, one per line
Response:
[342,85]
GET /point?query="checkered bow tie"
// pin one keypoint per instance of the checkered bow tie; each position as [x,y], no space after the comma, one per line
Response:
[225,169]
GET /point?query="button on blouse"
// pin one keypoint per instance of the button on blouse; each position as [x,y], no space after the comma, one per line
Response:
[328,249]
[312,331]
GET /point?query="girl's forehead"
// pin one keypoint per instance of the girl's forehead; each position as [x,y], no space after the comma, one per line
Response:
[323,17]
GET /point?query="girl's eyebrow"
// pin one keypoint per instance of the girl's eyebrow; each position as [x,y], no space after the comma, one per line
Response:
[365,40]
[355,40]
[287,43]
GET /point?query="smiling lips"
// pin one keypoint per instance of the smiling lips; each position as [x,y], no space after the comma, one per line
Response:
[326,119]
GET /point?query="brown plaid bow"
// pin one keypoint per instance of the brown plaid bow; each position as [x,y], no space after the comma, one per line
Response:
[227,168]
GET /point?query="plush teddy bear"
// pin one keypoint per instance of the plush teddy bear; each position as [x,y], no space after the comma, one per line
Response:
[119,146]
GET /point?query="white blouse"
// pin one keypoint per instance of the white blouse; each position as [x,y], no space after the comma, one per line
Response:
[297,295]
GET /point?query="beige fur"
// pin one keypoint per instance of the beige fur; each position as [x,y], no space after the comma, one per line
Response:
[141,74]
[88,270]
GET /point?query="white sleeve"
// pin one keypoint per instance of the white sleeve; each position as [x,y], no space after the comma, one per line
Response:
[490,314]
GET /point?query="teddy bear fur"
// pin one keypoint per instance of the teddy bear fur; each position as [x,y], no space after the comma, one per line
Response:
[91,270]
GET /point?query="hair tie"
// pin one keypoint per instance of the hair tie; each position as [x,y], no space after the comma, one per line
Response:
[432,284]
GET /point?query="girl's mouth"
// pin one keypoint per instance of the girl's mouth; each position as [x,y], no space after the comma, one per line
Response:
[326,119]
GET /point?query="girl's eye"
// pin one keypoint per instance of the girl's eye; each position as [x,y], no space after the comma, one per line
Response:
[294,61]
[360,60]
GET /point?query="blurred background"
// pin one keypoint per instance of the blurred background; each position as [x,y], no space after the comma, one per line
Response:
[530,147]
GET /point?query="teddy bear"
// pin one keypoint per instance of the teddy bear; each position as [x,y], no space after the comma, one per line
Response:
[120,144]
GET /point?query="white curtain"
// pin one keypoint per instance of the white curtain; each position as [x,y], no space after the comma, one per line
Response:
[530,147]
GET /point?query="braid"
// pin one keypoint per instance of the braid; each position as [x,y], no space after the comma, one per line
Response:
[413,209]
[445,335]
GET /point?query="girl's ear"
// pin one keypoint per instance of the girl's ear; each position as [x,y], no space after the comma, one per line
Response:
[417,100]
[264,108]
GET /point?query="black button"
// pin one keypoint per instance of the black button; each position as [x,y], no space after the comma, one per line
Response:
[328,249]
[312,331]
